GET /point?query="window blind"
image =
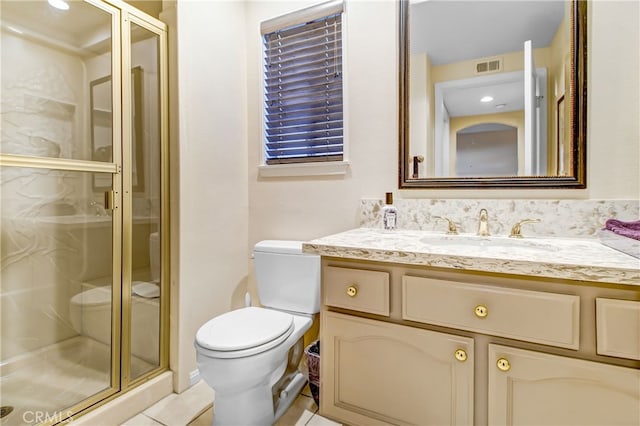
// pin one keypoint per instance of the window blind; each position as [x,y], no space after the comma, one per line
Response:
[303,91]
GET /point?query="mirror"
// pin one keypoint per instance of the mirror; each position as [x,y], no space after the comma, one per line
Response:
[492,94]
[101,129]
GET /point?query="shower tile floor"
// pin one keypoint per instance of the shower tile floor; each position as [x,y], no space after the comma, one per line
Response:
[187,409]
[60,375]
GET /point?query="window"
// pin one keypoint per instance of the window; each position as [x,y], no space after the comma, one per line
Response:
[303,107]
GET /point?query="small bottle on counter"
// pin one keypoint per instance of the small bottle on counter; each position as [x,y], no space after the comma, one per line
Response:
[389,213]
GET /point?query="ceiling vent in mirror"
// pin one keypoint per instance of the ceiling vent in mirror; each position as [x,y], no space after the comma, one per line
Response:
[488,66]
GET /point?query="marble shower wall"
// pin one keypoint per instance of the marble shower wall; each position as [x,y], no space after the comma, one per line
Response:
[559,218]
[45,112]
[43,97]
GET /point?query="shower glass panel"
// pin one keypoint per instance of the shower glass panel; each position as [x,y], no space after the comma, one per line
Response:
[82,156]
[47,57]
[145,182]
[59,245]
[55,292]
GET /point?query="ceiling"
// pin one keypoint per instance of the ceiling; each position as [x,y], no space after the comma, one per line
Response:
[452,30]
[81,29]
[465,101]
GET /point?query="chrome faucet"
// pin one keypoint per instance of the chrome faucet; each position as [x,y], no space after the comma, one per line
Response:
[483,223]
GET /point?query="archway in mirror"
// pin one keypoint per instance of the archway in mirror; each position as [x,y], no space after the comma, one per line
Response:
[487,149]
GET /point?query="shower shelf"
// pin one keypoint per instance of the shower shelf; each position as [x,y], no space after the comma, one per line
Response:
[37,104]
[83,221]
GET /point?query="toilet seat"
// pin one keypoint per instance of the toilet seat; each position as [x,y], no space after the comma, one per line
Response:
[93,297]
[244,332]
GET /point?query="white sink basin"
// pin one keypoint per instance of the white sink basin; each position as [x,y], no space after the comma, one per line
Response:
[471,241]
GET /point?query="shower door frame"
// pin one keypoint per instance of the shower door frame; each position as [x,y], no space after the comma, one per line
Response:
[132,15]
[122,15]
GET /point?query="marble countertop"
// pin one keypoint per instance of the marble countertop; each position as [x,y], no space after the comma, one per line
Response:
[564,258]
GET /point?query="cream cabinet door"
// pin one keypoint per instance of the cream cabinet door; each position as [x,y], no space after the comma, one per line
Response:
[531,388]
[375,372]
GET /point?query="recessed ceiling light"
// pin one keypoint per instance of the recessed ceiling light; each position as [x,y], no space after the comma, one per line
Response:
[500,106]
[59,4]
[486,99]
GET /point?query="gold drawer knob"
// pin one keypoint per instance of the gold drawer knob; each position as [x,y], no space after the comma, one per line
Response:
[481,311]
[352,290]
[461,355]
[503,364]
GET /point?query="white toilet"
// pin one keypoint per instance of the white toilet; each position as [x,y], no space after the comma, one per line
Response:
[90,310]
[250,356]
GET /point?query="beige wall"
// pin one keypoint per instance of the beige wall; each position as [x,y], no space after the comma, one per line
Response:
[421,111]
[304,208]
[299,208]
[219,155]
[209,170]
[614,100]
[513,61]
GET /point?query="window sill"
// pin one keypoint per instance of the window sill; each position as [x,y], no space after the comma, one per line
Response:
[332,168]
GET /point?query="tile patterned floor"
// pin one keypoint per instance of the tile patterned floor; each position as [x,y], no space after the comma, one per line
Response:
[191,408]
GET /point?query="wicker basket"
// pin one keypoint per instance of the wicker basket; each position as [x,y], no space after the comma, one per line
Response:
[313,362]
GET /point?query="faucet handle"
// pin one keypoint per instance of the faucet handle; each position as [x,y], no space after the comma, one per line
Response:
[452,228]
[516,229]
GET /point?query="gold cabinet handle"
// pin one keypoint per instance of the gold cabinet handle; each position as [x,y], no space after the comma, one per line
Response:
[481,311]
[503,364]
[461,355]
[352,290]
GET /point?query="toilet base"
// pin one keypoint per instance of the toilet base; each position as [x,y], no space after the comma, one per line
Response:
[253,407]
[266,403]
[289,394]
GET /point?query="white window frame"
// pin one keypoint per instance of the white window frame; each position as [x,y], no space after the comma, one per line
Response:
[324,168]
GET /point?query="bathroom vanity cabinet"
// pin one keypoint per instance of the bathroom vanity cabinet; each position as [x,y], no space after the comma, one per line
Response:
[411,344]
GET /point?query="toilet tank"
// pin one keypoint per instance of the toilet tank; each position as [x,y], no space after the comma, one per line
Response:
[286,278]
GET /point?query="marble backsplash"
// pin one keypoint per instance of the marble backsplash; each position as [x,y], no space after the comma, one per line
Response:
[559,218]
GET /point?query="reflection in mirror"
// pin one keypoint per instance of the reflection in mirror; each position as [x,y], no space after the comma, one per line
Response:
[492,94]
[101,128]
[486,149]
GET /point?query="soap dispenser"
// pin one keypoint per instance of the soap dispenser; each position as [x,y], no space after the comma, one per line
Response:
[389,213]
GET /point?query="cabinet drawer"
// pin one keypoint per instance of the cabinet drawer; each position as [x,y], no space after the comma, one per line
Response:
[547,318]
[357,289]
[618,328]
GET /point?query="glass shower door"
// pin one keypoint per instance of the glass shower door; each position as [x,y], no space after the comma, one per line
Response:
[142,319]
[60,240]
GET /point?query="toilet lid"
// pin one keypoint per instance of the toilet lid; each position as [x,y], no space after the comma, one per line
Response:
[93,297]
[244,328]
[145,289]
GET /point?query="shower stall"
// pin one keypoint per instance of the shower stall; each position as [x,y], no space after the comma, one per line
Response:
[84,205]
